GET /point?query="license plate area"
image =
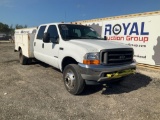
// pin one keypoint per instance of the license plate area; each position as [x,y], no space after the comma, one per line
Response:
[119,74]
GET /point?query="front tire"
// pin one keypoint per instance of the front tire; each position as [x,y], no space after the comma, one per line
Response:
[73,80]
[22,59]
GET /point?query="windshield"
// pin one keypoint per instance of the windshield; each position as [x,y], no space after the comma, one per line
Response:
[71,31]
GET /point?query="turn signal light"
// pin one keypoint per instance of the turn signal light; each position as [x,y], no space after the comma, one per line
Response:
[93,62]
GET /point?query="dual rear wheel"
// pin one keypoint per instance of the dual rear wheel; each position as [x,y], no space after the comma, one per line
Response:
[22,59]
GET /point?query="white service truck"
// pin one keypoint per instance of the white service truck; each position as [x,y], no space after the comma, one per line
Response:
[78,51]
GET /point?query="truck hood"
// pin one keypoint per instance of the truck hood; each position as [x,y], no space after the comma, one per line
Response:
[92,45]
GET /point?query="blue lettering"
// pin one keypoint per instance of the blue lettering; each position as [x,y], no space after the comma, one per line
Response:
[134,29]
[125,28]
[142,30]
[108,28]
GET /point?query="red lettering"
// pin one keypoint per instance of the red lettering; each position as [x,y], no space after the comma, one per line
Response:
[143,39]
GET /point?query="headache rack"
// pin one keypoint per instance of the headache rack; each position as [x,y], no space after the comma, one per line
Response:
[116,56]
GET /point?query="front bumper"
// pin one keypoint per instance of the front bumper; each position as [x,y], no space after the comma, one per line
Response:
[100,73]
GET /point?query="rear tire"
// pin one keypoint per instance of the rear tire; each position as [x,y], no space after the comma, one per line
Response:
[73,80]
[22,59]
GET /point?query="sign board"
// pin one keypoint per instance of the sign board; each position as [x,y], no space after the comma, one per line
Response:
[141,32]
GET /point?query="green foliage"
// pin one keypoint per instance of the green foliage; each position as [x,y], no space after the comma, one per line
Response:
[4,28]
[20,26]
[9,30]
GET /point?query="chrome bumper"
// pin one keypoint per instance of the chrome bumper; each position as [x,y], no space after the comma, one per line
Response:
[99,73]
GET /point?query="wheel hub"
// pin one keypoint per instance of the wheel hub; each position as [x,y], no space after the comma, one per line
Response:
[70,79]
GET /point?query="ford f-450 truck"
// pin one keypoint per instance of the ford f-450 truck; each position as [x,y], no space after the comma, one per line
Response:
[78,51]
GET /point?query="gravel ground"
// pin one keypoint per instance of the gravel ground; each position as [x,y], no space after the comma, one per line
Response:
[36,92]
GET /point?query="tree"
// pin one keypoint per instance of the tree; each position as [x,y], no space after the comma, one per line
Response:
[4,28]
[25,26]
[20,26]
[9,30]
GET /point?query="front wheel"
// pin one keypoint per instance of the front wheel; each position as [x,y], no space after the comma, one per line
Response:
[73,80]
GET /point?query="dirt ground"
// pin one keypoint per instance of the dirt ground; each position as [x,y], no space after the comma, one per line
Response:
[36,92]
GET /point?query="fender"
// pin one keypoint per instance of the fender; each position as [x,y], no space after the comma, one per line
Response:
[75,55]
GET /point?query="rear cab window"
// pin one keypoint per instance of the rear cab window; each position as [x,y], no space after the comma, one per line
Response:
[41,32]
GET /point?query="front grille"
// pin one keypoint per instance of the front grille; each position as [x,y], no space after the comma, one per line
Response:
[116,56]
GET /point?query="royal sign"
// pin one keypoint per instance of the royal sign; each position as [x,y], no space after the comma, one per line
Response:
[131,31]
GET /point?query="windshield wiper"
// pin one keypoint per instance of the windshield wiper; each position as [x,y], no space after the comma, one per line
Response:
[71,37]
[88,36]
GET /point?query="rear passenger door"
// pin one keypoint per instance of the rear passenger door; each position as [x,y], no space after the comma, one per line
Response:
[38,44]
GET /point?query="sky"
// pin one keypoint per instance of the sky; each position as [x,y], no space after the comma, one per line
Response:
[36,12]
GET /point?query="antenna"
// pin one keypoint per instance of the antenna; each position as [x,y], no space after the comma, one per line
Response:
[65,17]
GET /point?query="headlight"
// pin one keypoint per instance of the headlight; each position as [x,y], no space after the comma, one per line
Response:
[91,58]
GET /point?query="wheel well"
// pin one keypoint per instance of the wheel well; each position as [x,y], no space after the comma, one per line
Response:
[68,60]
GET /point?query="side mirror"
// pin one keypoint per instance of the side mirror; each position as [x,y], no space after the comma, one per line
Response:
[46,38]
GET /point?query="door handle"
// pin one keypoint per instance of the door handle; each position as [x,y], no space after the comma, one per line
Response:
[61,48]
[34,43]
[42,45]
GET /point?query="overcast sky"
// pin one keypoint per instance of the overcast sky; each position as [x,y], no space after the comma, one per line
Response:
[35,12]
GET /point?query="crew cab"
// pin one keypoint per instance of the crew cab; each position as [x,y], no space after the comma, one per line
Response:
[78,51]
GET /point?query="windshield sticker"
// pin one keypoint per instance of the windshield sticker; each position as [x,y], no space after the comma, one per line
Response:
[64,27]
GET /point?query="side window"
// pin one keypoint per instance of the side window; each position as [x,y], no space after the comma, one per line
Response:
[41,32]
[78,32]
[52,30]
